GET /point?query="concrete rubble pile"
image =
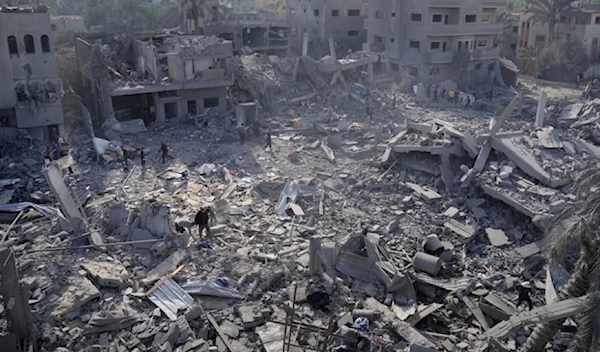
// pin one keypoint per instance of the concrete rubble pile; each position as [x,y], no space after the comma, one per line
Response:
[409,232]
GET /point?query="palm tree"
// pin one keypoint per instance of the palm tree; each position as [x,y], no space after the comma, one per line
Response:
[548,12]
[158,16]
[511,7]
[576,232]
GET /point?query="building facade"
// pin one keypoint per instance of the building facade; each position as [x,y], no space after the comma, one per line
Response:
[509,41]
[582,25]
[320,19]
[154,77]
[435,39]
[30,89]
[271,6]
[61,24]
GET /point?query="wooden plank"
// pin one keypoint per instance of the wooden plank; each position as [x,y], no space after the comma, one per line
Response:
[220,332]
[423,313]
[477,313]
[555,311]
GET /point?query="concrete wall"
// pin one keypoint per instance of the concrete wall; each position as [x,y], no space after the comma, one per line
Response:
[181,102]
[67,23]
[145,58]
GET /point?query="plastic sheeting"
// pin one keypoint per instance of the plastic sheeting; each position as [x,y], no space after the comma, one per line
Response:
[45,210]
[214,287]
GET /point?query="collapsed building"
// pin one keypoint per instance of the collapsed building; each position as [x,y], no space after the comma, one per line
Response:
[154,76]
[30,89]
[259,32]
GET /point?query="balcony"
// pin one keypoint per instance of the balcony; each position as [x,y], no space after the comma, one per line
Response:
[445,3]
[485,54]
[445,30]
[438,57]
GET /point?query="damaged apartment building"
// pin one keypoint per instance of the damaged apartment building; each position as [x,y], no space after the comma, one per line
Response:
[30,89]
[265,33]
[320,19]
[436,39]
[153,76]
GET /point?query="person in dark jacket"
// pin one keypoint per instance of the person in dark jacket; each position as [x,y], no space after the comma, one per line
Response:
[524,294]
[203,217]
[268,140]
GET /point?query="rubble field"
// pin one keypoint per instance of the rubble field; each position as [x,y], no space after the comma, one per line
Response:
[407,232]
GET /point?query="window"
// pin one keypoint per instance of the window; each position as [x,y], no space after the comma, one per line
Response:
[53,27]
[435,45]
[436,18]
[380,15]
[415,17]
[540,38]
[304,10]
[353,13]
[482,42]
[414,44]
[211,102]
[316,12]
[352,33]
[485,17]
[393,14]
[45,44]
[515,29]
[391,40]
[395,67]
[29,44]
[13,48]
[191,107]
[563,19]
[513,47]
[377,39]
[478,66]
[293,31]
[471,18]
[597,20]
[292,11]
[335,13]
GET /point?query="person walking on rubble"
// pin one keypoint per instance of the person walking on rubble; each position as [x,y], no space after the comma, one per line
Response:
[268,140]
[451,96]
[491,94]
[428,92]
[468,103]
[164,151]
[241,130]
[579,79]
[142,157]
[369,110]
[524,294]
[202,219]
[435,94]
[47,155]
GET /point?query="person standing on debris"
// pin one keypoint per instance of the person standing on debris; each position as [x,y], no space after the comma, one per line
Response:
[524,294]
[268,140]
[491,94]
[142,157]
[428,92]
[369,110]
[202,219]
[442,94]
[468,103]
[435,94]
[124,156]
[451,96]
[242,132]
[47,155]
[165,151]
[579,79]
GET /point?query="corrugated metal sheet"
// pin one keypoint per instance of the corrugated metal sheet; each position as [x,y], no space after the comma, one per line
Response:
[171,298]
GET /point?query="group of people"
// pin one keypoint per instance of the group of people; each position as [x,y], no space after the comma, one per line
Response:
[56,150]
[454,96]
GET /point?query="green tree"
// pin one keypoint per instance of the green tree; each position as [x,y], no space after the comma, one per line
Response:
[576,234]
[548,12]
[159,16]
[511,7]
[567,56]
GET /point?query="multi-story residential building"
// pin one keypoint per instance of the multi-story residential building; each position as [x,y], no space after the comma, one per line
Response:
[582,24]
[510,37]
[152,76]
[429,37]
[262,32]
[30,89]
[320,19]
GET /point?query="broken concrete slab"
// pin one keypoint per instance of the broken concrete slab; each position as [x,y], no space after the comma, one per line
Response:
[107,274]
[549,138]
[427,195]
[251,316]
[451,212]
[166,266]
[272,336]
[496,237]
[529,207]
[141,235]
[530,249]
[513,146]
[75,294]
[465,232]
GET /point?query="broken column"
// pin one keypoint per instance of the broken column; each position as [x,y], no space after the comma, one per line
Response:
[15,298]
[541,111]
[304,44]
[71,210]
